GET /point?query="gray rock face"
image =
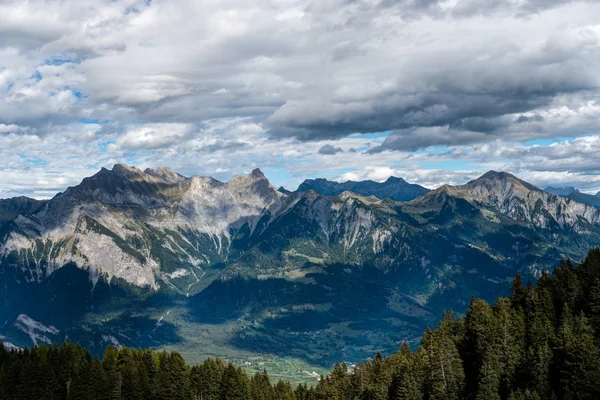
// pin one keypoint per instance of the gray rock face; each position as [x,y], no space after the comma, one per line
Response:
[96,223]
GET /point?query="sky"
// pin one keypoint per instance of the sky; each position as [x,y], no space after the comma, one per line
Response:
[434,91]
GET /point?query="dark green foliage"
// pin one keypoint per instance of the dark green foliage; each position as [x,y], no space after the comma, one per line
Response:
[541,343]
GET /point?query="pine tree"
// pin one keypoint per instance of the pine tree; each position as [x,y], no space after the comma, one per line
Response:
[234,384]
[205,379]
[444,378]
[511,328]
[341,381]
[594,306]
[113,374]
[539,336]
[326,391]
[517,292]
[99,381]
[261,388]
[481,352]
[405,383]
[578,359]
[284,391]
[81,387]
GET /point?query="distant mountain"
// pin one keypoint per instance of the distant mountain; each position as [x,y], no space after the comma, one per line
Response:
[284,190]
[584,198]
[395,188]
[153,258]
[561,191]
[574,194]
[521,201]
[10,208]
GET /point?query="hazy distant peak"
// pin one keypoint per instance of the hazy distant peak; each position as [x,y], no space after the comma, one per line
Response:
[10,208]
[395,179]
[393,187]
[561,191]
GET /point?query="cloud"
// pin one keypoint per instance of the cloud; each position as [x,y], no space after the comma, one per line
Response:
[417,138]
[433,90]
[154,136]
[330,150]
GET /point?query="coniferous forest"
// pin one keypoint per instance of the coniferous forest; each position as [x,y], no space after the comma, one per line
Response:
[539,343]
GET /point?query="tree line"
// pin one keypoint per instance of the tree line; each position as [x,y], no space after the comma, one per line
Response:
[539,343]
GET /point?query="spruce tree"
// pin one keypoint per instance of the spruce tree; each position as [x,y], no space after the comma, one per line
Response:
[444,379]
[578,359]
[511,330]
[234,384]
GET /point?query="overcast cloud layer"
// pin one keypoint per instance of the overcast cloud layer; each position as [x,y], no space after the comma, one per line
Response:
[433,91]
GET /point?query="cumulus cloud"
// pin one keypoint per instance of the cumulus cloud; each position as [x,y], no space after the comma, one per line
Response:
[153,136]
[280,84]
[330,150]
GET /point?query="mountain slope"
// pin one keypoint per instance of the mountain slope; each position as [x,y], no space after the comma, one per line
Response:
[107,223]
[396,188]
[524,202]
[154,258]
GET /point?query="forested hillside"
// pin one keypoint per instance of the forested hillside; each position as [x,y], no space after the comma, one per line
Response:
[540,343]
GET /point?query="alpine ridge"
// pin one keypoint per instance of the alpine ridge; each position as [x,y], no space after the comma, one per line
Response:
[155,258]
[574,194]
[561,191]
[396,188]
[524,202]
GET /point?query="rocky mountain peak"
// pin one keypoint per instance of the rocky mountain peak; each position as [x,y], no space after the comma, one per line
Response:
[166,174]
[502,179]
[257,173]
[126,170]
[519,200]
[255,182]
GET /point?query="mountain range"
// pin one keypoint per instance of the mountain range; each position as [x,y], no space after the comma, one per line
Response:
[239,268]
[561,191]
[393,187]
[574,194]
